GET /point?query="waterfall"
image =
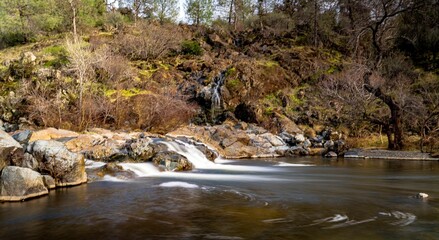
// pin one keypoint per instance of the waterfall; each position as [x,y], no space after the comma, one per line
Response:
[218,82]
[191,152]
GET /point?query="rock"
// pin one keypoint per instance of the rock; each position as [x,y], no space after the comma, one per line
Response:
[297,151]
[299,138]
[49,182]
[10,150]
[275,141]
[52,133]
[17,184]
[23,137]
[171,161]
[307,143]
[329,145]
[287,125]
[67,168]
[421,195]
[140,149]
[340,147]
[111,169]
[28,58]
[331,154]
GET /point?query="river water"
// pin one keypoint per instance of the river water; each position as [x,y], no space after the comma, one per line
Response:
[289,198]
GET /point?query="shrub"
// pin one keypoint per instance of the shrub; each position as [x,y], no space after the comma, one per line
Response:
[149,41]
[189,47]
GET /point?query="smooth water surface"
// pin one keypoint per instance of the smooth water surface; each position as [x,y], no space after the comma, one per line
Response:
[293,198]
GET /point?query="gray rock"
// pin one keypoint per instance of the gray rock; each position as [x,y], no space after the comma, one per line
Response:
[329,144]
[17,184]
[331,154]
[171,161]
[140,149]
[110,169]
[23,136]
[307,143]
[10,150]
[49,182]
[67,168]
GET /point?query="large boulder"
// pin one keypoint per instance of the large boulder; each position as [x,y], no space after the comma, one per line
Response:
[141,149]
[10,150]
[171,161]
[67,168]
[17,184]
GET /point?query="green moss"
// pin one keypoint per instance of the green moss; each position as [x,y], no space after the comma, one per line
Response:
[234,84]
[57,56]
[126,93]
[268,63]
[231,71]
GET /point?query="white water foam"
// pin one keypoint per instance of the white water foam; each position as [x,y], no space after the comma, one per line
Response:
[199,160]
[93,164]
[179,184]
[284,164]
[141,169]
[108,178]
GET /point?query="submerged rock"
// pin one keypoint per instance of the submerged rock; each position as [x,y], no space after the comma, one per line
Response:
[67,168]
[17,184]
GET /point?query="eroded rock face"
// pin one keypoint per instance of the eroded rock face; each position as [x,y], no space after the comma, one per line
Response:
[67,168]
[17,184]
[171,161]
[10,150]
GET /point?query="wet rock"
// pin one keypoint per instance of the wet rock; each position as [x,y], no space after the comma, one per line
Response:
[140,149]
[67,168]
[17,184]
[331,154]
[297,151]
[171,161]
[421,195]
[110,169]
[49,182]
[10,150]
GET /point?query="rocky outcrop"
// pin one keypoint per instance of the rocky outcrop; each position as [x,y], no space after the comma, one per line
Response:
[67,168]
[10,150]
[234,141]
[171,161]
[17,184]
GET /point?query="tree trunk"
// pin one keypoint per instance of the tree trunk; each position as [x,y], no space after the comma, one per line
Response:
[395,129]
[73,7]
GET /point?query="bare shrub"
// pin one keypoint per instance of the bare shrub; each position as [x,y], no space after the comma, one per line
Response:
[149,41]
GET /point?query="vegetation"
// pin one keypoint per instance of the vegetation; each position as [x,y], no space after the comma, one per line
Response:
[369,66]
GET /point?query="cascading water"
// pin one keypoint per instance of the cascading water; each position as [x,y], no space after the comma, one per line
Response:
[218,82]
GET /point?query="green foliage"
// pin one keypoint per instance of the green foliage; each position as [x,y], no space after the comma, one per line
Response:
[189,47]
[199,11]
[58,56]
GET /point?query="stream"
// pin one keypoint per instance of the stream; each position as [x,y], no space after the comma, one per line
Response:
[285,198]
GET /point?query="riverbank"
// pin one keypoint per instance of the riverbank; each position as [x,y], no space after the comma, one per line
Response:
[388,154]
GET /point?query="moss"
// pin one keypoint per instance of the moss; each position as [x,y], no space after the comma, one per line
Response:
[268,63]
[231,71]
[126,93]
[191,48]
[234,84]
